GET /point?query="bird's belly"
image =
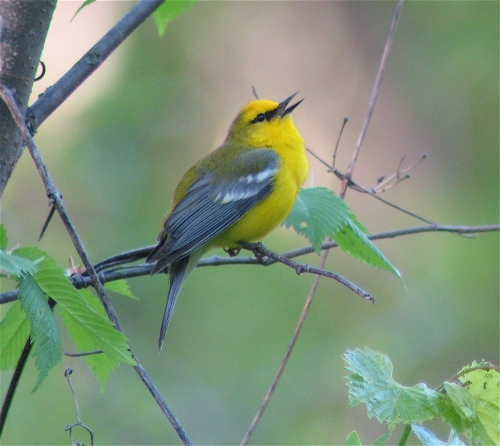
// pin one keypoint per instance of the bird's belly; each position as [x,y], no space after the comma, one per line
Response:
[261,219]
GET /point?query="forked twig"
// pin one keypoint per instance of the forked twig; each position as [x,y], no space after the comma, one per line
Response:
[384,183]
[324,257]
[69,428]
[260,250]
[365,190]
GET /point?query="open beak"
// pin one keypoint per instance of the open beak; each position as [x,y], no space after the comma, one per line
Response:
[281,110]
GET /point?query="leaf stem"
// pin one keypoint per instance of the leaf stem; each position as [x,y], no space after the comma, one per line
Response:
[405,435]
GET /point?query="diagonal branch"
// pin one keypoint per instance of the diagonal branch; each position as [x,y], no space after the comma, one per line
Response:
[66,85]
[56,199]
[324,257]
[376,89]
[370,191]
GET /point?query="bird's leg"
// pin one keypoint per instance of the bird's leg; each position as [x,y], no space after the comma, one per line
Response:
[257,249]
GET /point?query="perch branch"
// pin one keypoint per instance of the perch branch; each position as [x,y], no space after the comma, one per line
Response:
[127,272]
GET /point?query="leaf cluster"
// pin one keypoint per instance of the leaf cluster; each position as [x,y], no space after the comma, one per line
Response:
[43,286]
[471,408]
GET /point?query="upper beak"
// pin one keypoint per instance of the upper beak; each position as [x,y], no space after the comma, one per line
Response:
[282,110]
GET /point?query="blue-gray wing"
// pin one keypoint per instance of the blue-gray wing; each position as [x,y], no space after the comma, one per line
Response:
[212,205]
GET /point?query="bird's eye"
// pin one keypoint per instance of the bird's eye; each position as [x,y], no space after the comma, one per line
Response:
[260,117]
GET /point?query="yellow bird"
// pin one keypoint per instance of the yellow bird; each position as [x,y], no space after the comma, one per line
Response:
[238,193]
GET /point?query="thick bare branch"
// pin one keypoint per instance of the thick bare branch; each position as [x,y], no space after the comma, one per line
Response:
[23,29]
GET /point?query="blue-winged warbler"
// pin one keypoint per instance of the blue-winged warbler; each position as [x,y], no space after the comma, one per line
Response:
[237,193]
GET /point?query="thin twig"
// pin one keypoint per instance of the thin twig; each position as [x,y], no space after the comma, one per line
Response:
[260,250]
[67,373]
[383,183]
[284,362]
[376,88]
[324,257]
[334,158]
[56,198]
[359,188]
[78,355]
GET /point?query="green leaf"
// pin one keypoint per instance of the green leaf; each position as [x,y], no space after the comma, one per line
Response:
[4,240]
[85,3]
[319,213]
[88,317]
[484,387]
[101,364]
[429,439]
[353,439]
[371,383]
[11,264]
[14,332]
[353,241]
[459,408]
[47,349]
[168,11]
[462,401]
[121,287]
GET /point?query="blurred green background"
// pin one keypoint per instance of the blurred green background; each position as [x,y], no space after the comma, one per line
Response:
[118,146]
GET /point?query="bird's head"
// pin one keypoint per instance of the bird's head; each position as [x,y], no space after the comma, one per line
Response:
[264,123]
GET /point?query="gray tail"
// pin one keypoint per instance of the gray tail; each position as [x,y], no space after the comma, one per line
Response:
[178,272]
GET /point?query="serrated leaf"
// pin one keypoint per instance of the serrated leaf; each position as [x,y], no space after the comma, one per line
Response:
[429,439]
[85,4]
[47,349]
[102,364]
[484,387]
[317,214]
[168,11]
[14,332]
[4,240]
[353,439]
[121,287]
[371,383]
[16,266]
[93,324]
[353,241]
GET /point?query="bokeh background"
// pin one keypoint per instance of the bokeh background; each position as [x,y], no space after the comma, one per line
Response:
[118,146]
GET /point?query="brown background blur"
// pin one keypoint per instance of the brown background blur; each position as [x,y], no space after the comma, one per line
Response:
[118,146]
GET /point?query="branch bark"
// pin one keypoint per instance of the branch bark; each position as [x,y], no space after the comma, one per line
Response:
[23,30]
